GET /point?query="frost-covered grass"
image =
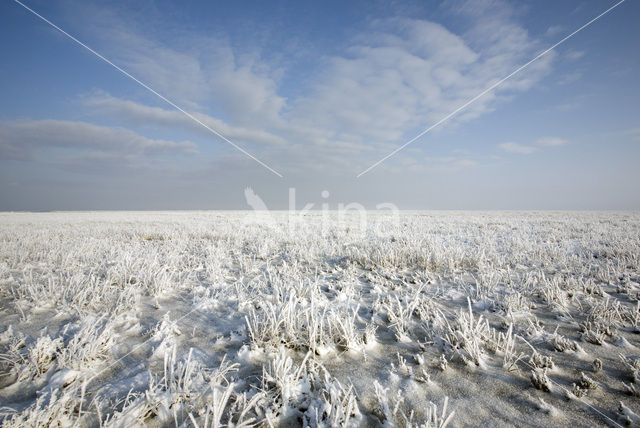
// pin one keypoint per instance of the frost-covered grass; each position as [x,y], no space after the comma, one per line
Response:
[433,319]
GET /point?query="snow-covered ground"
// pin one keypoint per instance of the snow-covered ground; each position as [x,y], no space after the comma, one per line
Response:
[212,319]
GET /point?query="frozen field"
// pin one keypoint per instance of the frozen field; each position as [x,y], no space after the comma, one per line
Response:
[211,319]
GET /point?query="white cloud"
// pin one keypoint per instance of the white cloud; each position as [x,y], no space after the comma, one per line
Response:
[554,30]
[569,78]
[200,72]
[28,140]
[393,81]
[406,74]
[511,147]
[551,141]
[573,55]
[140,114]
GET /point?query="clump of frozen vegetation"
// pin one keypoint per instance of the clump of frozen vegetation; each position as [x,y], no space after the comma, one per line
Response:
[540,380]
[211,319]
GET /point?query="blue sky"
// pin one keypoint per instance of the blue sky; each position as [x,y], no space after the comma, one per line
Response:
[319,91]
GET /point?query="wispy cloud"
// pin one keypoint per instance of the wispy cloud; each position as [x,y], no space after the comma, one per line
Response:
[573,55]
[395,77]
[511,147]
[570,77]
[200,72]
[40,139]
[407,74]
[551,141]
[540,143]
[554,30]
[136,114]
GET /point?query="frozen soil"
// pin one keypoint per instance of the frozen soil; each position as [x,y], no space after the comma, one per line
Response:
[232,319]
